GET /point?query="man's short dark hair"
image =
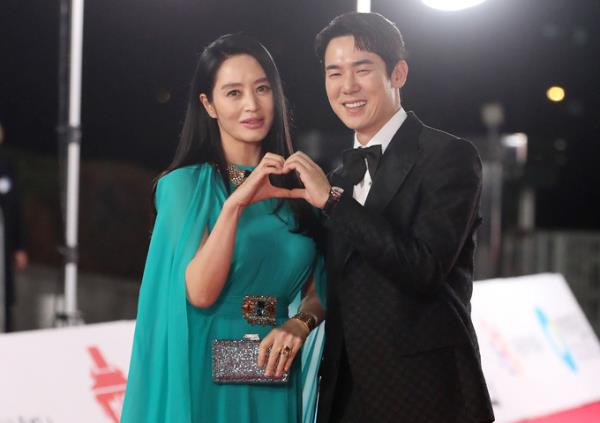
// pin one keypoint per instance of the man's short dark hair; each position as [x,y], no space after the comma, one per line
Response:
[371,31]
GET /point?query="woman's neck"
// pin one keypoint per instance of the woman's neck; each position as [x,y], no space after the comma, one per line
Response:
[242,153]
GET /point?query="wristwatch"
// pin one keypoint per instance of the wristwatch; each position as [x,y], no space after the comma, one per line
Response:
[307,318]
[335,195]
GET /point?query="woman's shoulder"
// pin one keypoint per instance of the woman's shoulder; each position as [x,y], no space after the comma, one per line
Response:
[183,181]
[187,175]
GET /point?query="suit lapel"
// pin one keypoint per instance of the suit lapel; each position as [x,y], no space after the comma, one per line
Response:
[393,169]
[395,164]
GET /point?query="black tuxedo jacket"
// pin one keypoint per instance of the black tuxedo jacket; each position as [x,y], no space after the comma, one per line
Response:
[400,280]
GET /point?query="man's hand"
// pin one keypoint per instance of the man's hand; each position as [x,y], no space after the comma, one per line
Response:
[316,186]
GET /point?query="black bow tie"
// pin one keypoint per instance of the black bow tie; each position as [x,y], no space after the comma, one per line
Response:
[354,162]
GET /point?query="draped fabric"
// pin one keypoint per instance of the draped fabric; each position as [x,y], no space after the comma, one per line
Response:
[169,375]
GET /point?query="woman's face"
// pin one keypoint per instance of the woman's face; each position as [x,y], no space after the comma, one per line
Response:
[242,101]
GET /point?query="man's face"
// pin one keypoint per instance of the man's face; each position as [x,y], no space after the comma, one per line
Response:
[360,91]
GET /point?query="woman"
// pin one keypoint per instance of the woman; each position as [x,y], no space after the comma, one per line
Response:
[224,232]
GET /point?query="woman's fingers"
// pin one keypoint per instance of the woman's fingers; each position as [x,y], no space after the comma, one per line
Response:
[263,351]
[290,359]
[288,353]
[284,356]
[285,341]
[273,357]
[271,162]
[273,159]
[300,159]
[274,156]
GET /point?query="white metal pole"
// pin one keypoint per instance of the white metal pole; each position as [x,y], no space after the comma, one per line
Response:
[3,281]
[363,6]
[73,157]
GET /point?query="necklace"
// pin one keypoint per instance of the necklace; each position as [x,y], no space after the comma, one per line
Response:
[236,175]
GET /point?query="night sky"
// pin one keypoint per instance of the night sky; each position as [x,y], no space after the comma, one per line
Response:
[139,57]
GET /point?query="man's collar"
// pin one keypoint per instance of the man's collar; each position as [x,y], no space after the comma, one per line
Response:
[384,136]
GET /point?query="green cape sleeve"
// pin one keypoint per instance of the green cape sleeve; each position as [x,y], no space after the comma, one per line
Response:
[158,388]
[313,349]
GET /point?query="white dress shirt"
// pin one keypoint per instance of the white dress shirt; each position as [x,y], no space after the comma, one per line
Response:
[383,137]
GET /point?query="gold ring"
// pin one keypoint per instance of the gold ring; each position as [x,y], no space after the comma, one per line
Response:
[286,351]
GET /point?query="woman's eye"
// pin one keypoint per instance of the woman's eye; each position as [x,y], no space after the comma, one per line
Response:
[263,89]
[233,93]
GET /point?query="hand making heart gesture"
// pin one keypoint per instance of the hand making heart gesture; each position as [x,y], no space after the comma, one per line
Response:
[316,186]
[257,187]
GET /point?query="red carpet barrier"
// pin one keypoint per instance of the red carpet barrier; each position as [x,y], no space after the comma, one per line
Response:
[72,375]
[539,353]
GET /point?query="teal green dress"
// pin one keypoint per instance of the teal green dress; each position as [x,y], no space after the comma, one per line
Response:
[170,375]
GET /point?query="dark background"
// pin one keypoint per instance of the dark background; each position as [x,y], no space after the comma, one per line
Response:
[139,58]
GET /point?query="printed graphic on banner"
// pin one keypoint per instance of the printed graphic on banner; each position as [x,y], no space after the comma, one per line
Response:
[555,339]
[79,376]
[109,385]
[539,353]
[507,358]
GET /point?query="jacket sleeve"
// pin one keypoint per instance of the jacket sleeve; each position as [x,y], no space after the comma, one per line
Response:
[418,258]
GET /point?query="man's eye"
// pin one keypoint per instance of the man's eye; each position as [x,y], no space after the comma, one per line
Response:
[363,71]
[333,75]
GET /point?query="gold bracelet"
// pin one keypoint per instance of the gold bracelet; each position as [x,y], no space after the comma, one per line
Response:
[303,322]
[308,319]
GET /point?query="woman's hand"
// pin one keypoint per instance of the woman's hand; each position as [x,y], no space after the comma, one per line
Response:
[292,335]
[257,186]
[316,186]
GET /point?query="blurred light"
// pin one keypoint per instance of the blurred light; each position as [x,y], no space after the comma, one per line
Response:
[492,114]
[163,96]
[555,93]
[516,147]
[363,6]
[560,144]
[451,5]
[518,140]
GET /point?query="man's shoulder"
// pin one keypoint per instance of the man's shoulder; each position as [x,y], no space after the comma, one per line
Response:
[436,141]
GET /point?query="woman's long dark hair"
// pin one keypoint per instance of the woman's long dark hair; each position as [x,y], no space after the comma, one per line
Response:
[200,140]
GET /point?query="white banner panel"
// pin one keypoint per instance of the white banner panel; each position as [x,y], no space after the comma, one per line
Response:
[70,375]
[539,352]
[539,355]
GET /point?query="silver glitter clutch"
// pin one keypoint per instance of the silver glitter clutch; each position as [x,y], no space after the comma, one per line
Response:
[235,361]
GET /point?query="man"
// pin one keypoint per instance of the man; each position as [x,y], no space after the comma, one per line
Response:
[401,215]
[11,238]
